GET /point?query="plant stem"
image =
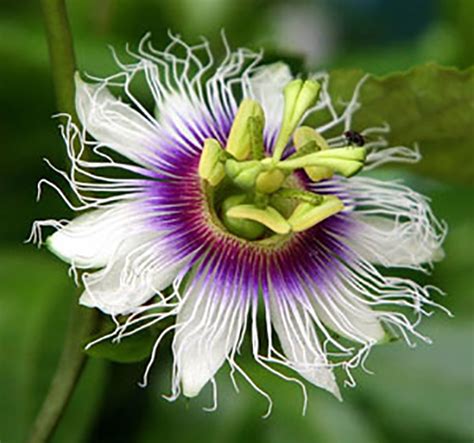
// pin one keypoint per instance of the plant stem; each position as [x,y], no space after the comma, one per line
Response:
[70,366]
[61,53]
[83,320]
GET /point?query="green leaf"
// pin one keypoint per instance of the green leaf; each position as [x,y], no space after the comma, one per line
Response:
[429,104]
[131,349]
[36,295]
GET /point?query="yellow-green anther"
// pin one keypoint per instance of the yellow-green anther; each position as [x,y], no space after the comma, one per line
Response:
[217,174]
[318,173]
[308,148]
[290,93]
[305,134]
[306,98]
[256,137]
[315,173]
[243,174]
[248,229]
[299,97]
[269,181]
[300,195]
[268,217]
[349,153]
[211,167]
[346,161]
[307,215]
[302,137]
[347,168]
[239,141]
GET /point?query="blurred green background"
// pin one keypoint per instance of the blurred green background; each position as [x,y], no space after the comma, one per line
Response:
[422,395]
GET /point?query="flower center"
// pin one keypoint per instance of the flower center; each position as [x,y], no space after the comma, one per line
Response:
[256,195]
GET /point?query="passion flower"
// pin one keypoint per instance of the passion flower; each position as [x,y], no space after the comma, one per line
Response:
[225,194]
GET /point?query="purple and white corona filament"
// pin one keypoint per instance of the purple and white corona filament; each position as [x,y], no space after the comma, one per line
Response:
[249,215]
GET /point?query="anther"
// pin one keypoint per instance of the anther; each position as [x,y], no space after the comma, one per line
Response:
[306,215]
[303,137]
[299,97]
[211,163]
[346,161]
[240,141]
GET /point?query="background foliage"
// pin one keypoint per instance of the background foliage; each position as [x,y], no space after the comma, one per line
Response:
[421,395]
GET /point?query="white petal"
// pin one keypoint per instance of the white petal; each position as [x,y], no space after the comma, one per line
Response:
[392,243]
[209,329]
[133,277]
[300,344]
[345,313]
[267,88]
[113,123]
[90,240]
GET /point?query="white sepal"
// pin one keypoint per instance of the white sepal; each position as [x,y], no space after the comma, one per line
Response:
[209,327]
[342,310]
[114,123]
[141,268]
[300,344]
[92,239]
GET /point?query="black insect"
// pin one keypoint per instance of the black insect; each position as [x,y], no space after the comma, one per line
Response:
[354,138]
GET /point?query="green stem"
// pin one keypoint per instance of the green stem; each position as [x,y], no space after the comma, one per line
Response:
[61,53]
[70,366]
[83,320]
